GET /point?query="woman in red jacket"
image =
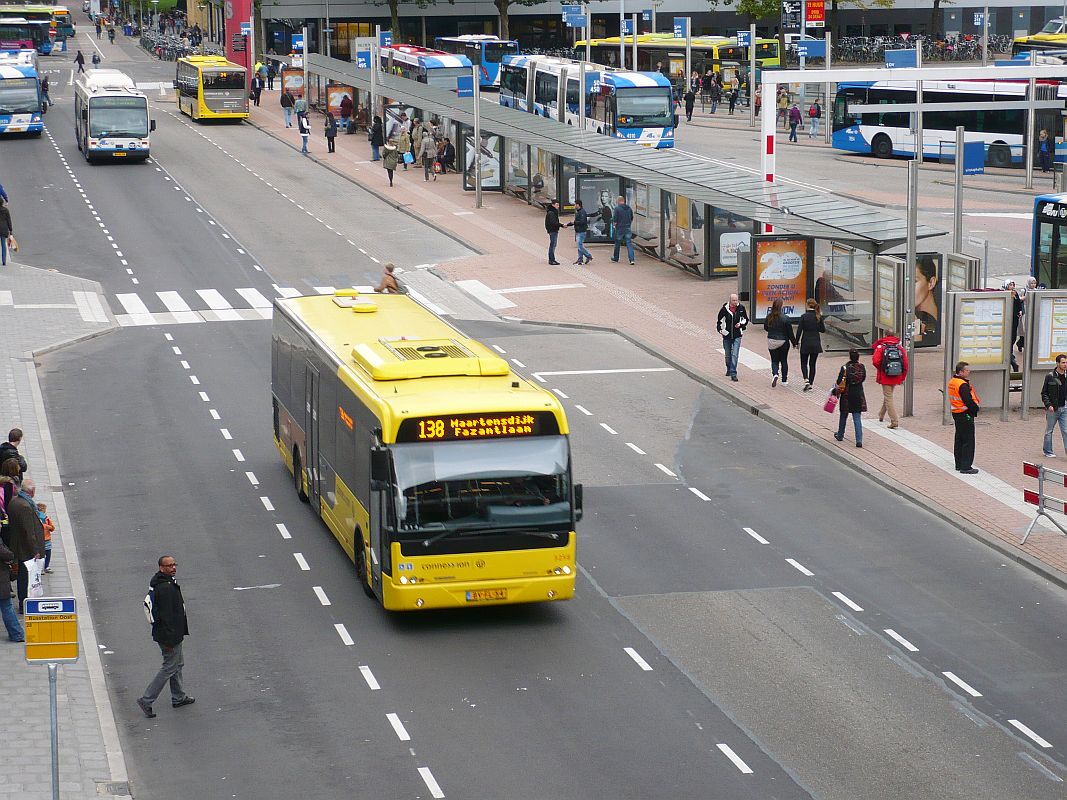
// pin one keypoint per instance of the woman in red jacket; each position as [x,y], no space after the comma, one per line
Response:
[891,362]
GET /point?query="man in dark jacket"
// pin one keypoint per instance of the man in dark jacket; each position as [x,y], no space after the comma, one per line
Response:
[169,627]
[10,449]
[552,227]
[621,221]
[1054,399]
[731,324]
[287,102]
[965,405]
[26,535]
[11,620]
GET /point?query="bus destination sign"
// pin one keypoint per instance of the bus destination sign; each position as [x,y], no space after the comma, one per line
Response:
[464,427]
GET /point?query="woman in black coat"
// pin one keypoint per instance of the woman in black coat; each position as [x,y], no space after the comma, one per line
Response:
[808,329]
[851,400]
[377,139]
[779,337]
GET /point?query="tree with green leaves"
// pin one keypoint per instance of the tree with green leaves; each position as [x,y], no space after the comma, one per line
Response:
[862,5]
[394,13]
[502,6]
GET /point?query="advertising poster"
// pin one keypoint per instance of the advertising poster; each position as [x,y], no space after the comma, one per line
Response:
[598,193]
[334,96]
[1052,329]
[293,81]
[485,158]
[729,244]
[783,269]
[237,11]
[928,293]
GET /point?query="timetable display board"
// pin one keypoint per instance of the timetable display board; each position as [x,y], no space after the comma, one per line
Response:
[983,325]
[467,427]
[887,274]
[1052,329]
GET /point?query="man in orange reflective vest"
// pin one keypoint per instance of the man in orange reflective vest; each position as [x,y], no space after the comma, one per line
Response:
[965,402]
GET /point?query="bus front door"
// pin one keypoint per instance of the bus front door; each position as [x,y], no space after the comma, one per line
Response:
[379,551]
[311,435]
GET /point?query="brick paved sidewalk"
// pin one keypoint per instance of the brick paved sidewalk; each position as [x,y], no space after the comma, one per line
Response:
[674,314]
[40,309]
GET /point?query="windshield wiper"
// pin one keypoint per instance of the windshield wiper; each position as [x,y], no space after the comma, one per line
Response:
[491,529]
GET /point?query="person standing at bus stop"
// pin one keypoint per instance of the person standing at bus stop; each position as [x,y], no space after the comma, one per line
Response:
[891,363]
[7,232]
[303,124]
[621,221]
[965,405]
[288,101]
[1044,151]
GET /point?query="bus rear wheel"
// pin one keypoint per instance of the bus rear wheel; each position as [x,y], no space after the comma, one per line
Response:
[361,564]
[882,146]
[298,476]
[1000,156]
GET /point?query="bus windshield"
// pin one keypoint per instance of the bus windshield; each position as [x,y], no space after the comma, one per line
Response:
[445,77]
[495,51]
[118,116]
[645,107]
[19,96]
[489,485]
[224,80]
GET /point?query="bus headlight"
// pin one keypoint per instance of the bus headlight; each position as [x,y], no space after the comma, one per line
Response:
[566,570]
[404,579]
[558,571]
[419,603]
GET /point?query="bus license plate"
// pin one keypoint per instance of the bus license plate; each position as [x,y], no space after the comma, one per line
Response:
[119,154]
[487,594]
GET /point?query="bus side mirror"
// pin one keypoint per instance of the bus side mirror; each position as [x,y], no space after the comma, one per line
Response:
[379,468]
[578,492]
[85,114]
[152,125]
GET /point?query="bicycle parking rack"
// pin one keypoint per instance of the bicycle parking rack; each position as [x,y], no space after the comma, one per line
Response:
[1039,498]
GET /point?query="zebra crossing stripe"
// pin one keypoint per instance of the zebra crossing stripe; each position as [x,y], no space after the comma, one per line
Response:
[219,304]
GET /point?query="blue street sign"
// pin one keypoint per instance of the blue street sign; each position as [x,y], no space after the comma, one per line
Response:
[572,21]
[901,58]
[743,38]
[646,15]
[363,59]
[627,27]
[246,28]
[298,42]
[386,39]
[465,85]
[973,158]
[811,48]
[681,27]
[49,605]
[979,18]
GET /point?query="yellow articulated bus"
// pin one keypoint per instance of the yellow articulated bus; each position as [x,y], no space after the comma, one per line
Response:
[445,476]
[661,52]
[210,87]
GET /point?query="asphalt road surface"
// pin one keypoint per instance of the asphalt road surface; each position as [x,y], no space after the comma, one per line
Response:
[753,619]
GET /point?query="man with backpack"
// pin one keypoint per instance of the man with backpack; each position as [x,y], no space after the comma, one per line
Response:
[814,115]
[165,607]
[891,363]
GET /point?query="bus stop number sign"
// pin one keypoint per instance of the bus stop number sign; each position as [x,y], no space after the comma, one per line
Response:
[51,630]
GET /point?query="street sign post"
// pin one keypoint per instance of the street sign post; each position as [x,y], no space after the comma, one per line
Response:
[362,46]
[811,48]
[465,86]
[646,15]
[628,29]
[298,43]
[742,39]
[52,638]
[974,158]
[385,39]
[895,59]
[246,28]
[681,27]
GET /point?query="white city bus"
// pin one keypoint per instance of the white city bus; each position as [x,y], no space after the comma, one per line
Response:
[111,117]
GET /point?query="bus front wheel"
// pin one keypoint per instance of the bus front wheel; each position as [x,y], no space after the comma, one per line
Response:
[361,564]
[882,146]
[298,476]
[1000,156]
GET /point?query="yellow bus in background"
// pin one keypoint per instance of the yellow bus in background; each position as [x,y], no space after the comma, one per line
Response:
[445,477]
[662,52]
[210,87]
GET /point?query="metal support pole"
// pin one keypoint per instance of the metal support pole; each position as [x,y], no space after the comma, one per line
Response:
[752,76]
[633,52]
[909,291]
[919,135]
[375,64]
[622,39]
[654,4]
[803,58]
[985,34]
[957,195]
[477,138]
[252,38]
[588,33]
[304,47]
[1031,134]
[688,50]
[827,103]
[581,96]
[53,713]
[326,29]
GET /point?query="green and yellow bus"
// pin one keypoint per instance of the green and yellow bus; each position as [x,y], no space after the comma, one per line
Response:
[445,477]
[663,53]
[210,87]
[1051,37]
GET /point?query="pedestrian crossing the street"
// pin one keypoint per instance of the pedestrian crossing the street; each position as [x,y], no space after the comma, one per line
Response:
[204,305]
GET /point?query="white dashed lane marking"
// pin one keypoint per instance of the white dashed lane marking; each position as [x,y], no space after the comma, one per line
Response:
[368,676]
[901,641]
[321,594]
[644,665]
[342,631]
[301,561]
[398,726]
[799,567]
[736,759]
[755,535]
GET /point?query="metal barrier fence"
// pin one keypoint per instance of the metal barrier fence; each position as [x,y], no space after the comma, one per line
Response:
[1040,499]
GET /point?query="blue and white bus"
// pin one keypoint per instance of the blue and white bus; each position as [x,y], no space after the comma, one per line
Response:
[626,105]
[111,117]
[1048,251]
[484,51]
[22,105]
[994,111]
[432,67]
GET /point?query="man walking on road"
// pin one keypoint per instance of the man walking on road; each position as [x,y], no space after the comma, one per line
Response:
[552,227]
[1054,399]
[731,325]
[169,627]
[964,402]
[621,220]
[80,61]
[891,362]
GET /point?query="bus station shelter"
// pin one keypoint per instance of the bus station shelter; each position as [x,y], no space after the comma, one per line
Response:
[692,214]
